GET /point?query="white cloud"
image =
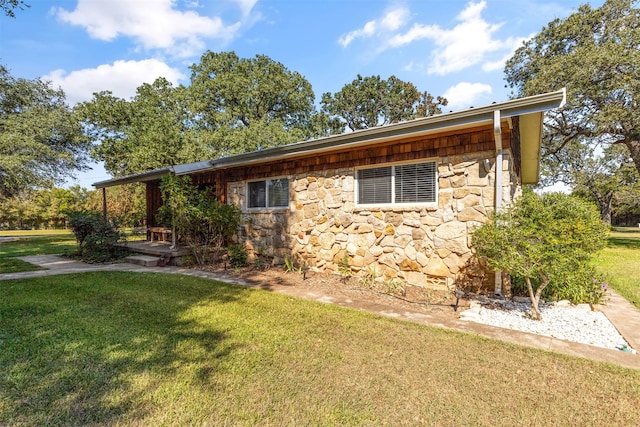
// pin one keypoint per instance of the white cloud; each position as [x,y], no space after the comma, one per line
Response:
[122,78]
[464,94]
[246,6]
[393,20]
[468,43]
[152,24]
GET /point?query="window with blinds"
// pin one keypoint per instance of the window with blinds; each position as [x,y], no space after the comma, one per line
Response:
[271,193]
[398,184]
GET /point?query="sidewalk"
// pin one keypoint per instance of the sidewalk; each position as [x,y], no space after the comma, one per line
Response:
[624,316]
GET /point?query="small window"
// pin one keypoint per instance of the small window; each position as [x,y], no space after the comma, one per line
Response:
[412,183]
[271,193]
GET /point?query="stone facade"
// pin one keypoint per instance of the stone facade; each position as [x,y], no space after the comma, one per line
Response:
[426,245]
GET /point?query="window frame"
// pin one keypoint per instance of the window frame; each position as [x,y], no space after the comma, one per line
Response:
[266,195]
[393,203]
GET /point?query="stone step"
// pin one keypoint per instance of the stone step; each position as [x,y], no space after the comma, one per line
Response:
[144,260]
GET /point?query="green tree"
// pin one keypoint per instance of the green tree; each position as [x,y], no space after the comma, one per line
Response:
[41,143]
[626,205]
[371,101]
[246,104]
[545,239]
[152,130]
[592,171]
[125,203]
[595,54]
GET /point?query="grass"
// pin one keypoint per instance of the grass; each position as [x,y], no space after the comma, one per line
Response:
[23,233]
[15,265]
[58,242]
[620,261]
[114,348]
[38,245]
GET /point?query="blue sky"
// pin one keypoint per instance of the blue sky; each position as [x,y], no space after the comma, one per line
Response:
[447,47]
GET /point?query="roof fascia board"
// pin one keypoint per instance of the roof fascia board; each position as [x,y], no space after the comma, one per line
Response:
[137,177]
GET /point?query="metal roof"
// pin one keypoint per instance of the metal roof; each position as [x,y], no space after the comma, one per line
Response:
[530,108]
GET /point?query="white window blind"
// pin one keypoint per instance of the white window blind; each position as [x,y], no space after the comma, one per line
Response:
[398,184]
[416,183]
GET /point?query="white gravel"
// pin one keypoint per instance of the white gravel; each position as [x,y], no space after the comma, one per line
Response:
[572,323]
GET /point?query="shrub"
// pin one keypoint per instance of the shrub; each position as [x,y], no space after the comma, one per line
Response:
[548,241]
[204,222]
[96,237]
[237,256]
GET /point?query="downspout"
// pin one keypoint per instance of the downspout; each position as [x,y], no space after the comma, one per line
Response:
[497,134]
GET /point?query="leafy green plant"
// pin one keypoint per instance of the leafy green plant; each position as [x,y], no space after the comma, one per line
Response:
[237,256]
[96,237]
[395,287]
[369,279]
[546,239]
[204,222]
[290,265]
[344,268]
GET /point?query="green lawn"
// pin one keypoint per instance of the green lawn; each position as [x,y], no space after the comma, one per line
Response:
[57,242]
[620,261]
[151,349]
[38,245]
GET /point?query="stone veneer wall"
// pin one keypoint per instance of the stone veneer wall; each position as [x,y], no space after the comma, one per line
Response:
[425,246]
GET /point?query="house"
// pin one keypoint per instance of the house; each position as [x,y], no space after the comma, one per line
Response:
[400,199]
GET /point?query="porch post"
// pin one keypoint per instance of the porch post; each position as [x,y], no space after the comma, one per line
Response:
[104,202]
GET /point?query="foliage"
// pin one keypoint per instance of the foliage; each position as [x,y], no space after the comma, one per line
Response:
[599,176]
[204,222]
[44,208]
[594,54]
[96,237]
[290,265]
[40,141]
[371,101]
[626,205]
[247,104]
[344,268]
[544,239]
[152,130]
[125,203]
[8,6]
[237,256]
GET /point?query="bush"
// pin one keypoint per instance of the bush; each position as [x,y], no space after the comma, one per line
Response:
[204,222]
[548,241]
[96,237]
[237,256]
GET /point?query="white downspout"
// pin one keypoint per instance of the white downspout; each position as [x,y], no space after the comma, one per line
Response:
[497,134]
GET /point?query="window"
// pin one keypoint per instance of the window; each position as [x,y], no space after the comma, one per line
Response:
[397,184]
[271,193]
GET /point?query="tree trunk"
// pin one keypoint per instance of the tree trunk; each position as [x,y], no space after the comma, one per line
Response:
[535,296]
[604,203]
[535,312]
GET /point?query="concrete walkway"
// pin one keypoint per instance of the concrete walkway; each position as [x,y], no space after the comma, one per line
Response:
[620,312]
